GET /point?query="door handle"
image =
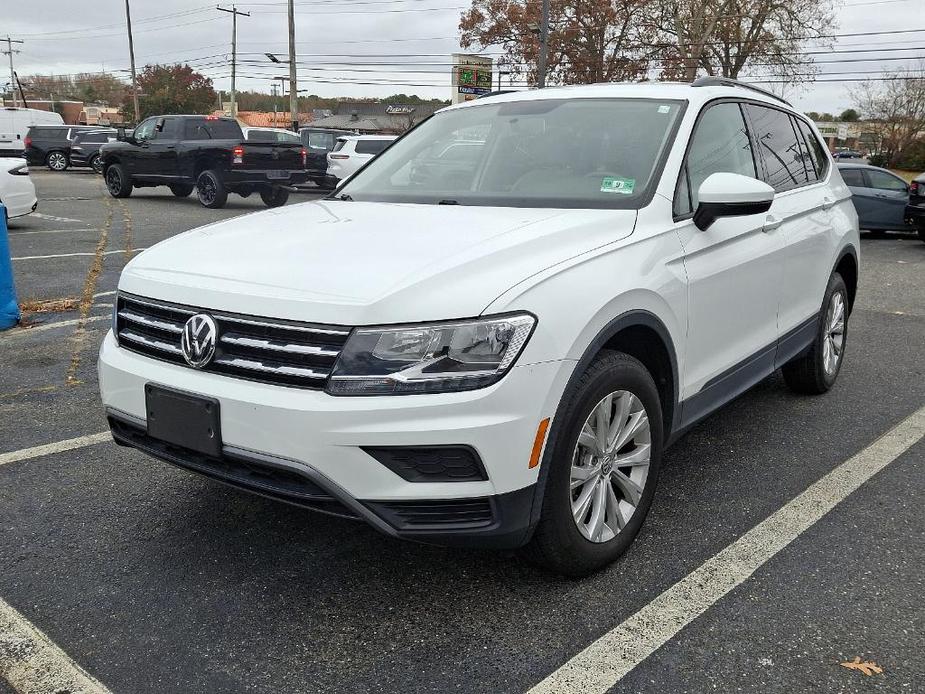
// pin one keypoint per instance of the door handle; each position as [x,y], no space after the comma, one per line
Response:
[771,223]
[827,203]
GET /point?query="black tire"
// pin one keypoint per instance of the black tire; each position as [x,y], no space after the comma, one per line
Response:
[96,163]
[182,190]
[118,182]
[56,161]
[557,544]
[808,373]
[275,197]
[210,189]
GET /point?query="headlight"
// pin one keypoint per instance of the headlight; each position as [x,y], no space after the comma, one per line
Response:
[435,358]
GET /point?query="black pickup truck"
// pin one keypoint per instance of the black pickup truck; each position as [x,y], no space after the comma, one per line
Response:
[202,153]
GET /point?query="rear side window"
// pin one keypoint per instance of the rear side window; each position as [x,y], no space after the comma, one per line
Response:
[205,129]
[817,153]
[371,146]
[720,145]
[261,136]
[323,141]
[48,133]
[779,148]
[339,145]
[884,181]
[853,178]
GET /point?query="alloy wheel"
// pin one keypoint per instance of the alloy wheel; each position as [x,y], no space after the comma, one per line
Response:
[57,161]
[610,466]
[833,341]
[97,164]
[113,181]
[206,190]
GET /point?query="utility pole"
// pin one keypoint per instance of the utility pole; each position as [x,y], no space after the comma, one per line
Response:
[293,85]
[234,50]
[544,47]
[131,55]
[10,51]
[274,89]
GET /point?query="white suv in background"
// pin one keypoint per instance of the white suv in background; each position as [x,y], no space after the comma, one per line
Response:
[353,151]
[494,346]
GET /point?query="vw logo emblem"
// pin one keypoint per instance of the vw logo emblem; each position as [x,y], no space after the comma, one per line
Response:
[198,340]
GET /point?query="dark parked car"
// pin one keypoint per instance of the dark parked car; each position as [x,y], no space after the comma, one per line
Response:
[879,196]
[202,153]
[915,210]
[50,145]
[847,154]
[318,142]
[85,148]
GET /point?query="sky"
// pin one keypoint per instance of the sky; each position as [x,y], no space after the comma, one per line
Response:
[357,48]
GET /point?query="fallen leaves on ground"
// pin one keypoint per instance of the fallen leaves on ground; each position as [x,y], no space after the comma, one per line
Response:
[868,667]
[50,305]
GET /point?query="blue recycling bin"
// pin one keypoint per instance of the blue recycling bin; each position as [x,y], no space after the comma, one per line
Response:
[9,306]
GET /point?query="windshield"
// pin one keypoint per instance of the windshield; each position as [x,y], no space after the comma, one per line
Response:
[546,153]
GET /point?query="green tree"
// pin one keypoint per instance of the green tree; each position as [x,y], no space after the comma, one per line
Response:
[849,115]
[168,89]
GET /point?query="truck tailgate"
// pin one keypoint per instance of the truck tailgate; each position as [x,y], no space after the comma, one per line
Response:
[272,156]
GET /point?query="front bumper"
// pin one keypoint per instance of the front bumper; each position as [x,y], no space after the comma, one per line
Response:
[317,440]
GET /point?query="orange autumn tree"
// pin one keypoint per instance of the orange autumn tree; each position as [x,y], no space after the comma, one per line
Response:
[589,41]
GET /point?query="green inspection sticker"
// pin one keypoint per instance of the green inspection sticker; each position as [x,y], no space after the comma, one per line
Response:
[615,184]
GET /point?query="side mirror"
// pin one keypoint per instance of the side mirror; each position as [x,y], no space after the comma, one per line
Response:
[730,195]
[120,134]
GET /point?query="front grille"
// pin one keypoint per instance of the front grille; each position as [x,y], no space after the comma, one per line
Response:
[268,350]
[236,469]
[431,514]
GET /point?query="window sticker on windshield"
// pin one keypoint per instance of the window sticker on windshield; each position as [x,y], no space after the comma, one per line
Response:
[615,184]
[664,108]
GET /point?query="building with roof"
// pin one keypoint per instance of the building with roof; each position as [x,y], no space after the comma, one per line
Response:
[376,118]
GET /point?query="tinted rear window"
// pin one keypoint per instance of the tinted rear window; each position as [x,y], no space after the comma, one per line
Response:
[371,146]
[47,133]
[205,129]
[94,137]
[780,149]
[853,178]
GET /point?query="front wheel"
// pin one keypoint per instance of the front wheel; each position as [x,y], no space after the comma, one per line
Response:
[275,197]
[603,468]
[56,161]
[815,371]
[118,182]
[96,163]
[211,190]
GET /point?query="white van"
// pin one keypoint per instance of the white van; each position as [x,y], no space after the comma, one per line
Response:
[15,123]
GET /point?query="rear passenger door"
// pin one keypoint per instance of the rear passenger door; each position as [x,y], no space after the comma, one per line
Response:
[890,194]
[796,167]
[734,271]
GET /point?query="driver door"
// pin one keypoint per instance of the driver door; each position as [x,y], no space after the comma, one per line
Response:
[138,164]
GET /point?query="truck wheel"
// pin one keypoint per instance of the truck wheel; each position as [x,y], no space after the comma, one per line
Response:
[118,183]
[276,197]
[211,190]
[182,190]
[56,161]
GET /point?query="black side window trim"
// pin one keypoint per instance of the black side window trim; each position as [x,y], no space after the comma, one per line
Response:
[687,150]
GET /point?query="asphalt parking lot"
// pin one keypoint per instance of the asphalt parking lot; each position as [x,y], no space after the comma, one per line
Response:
[154,580]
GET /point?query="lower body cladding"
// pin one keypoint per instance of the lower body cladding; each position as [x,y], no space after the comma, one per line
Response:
[369,458]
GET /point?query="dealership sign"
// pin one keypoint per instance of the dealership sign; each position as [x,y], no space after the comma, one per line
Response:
[472,76]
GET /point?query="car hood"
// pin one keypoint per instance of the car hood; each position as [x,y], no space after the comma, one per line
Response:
[362,263]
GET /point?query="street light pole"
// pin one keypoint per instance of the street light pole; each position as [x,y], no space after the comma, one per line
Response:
[10,51]
[234,51]
[131,55]
[544,47]
[293,86]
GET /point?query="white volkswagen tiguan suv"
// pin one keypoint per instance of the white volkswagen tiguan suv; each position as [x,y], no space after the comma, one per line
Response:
[495,349]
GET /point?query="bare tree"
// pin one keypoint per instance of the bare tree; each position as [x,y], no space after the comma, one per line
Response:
[723,37]
[896,107]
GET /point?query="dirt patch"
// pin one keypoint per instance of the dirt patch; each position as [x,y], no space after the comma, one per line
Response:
[69,303]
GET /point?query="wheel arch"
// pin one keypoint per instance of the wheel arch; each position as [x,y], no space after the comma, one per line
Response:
[642,335]
[847,266]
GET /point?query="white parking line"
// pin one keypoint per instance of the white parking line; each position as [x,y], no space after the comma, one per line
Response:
[15,332]
[32,664]
[605,662]
[71,255]
[52,218]
[47,231]
[56,447]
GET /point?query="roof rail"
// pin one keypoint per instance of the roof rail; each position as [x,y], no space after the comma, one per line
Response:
[729,82]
